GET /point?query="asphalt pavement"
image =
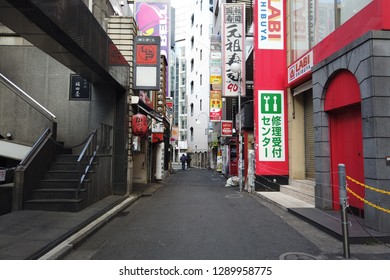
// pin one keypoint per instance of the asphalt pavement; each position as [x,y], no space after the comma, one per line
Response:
[56,235]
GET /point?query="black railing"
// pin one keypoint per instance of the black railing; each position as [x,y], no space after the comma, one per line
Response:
[38,143]
[86,159]
[90,150]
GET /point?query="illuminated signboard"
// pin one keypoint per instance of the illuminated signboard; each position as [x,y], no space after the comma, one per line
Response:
[147,63]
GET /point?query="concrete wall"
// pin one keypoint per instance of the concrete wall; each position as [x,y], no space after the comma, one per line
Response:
[369,59]
[48,82]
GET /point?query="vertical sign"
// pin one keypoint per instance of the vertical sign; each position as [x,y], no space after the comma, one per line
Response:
[79,88]
[270,21]
[152,18]
[215,79]
[147,63]
[233,48]
[270,80]
[271,133]
[227,128]
[215,105]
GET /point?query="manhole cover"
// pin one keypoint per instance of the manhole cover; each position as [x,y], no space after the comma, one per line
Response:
[296,256]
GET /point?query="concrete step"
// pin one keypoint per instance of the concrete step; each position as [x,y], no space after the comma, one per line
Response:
[60,183]
[65,174]
[65,205]
[305,185]
[41,194]
[283,200]
[64,166]
[66,158]
[303,194]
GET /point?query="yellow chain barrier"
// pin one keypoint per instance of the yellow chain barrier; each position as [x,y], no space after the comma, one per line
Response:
[367,187]
[367,202]
[364,200]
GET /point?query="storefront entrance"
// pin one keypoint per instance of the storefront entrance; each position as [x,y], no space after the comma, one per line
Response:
[347,148]
[342,104]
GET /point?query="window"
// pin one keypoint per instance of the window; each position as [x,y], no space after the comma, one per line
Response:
[192,42]
[313,20]
[200,105]
[192,134]
[200,55]
[200,79]
[192,87]
[192,65]
[192,109]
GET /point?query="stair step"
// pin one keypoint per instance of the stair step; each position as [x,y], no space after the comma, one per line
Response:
[41,194]
[299,193]
[64,166]
[66,158]
[305,185]
[60,183]
[67,166]
[67,205]
[64,174]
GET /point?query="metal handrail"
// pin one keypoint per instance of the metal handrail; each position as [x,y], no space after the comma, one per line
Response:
[22,94]
[86,158]
[35,147]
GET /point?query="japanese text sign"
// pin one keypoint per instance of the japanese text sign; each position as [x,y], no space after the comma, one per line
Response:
[271,132]
[233,48]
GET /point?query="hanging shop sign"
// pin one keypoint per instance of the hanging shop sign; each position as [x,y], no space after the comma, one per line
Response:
[147,61]
[157,127]
[233,48]
[139,124]
[154,19]
[215,105]
[226,128]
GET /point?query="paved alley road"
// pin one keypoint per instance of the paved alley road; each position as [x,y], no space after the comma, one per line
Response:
[194,216]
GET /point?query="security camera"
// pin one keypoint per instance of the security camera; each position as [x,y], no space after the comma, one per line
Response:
[122,3]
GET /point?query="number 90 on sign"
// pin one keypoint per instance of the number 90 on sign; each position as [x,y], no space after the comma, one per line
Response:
[232,87]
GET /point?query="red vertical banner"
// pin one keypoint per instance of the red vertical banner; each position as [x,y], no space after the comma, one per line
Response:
[270,67]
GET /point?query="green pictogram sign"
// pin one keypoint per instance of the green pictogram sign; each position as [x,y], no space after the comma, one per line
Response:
[271,130]
[271,103]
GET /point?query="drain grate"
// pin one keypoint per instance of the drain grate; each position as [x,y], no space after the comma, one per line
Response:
[297,256]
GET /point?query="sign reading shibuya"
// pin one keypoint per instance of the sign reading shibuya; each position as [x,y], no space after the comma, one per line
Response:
[271,132]
[270,25]
[301,67]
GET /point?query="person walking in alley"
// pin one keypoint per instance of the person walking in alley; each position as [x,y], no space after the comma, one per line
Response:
[183,160]
[188,162]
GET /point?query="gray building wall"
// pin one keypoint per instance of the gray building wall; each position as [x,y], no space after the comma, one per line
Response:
[368,58]
[48,82]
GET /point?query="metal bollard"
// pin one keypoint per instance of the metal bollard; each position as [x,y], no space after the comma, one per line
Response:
[344,205]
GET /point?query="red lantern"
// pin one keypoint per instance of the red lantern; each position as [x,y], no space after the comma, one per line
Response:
[139,124]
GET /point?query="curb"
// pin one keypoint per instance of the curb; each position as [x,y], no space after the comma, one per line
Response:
[63,248]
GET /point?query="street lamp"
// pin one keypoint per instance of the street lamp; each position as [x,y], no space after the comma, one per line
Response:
[236,68]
